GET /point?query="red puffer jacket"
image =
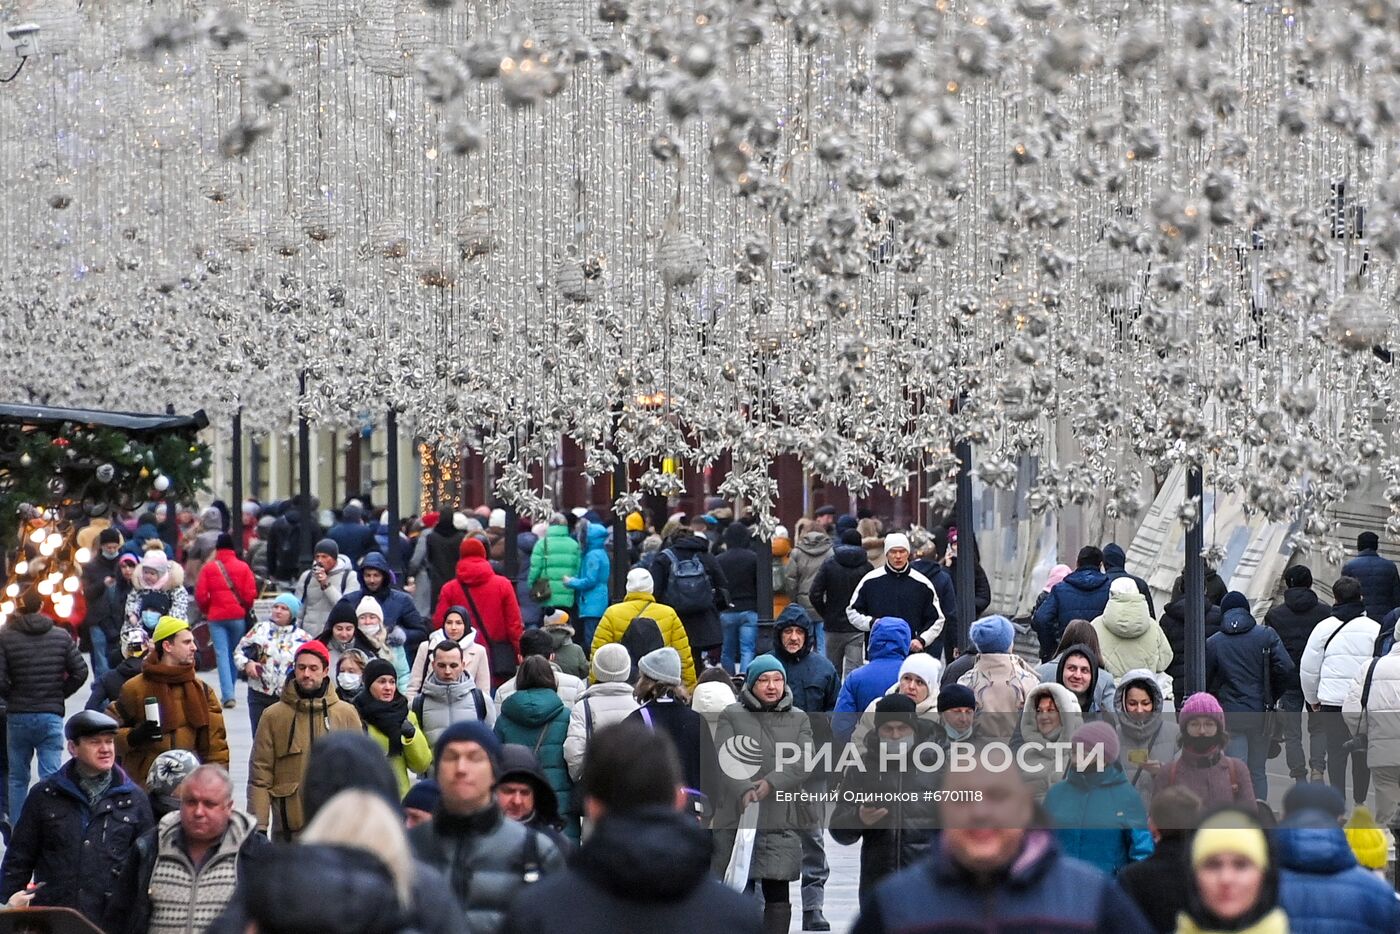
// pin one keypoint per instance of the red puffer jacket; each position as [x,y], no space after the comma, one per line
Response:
[493,595]
[212,592]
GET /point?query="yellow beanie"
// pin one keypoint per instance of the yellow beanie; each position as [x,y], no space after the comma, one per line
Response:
[1366,839]
[167,627]
[1224,834]
[635,523]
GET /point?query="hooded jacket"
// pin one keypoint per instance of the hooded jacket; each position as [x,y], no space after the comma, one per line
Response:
[1129,637]
[889,644]
[285,734]
[834,583]
[1338,649]
[619,616]
[399,609]
[1295,618]
[212,592]
[1173,623]
[171,600]
[1104,683]
[907,595]
[1141,742]
[645,870]
[555,557]
[317,601]
[1100,818]
[40,665]
[1380,721]
[1114,567]
[594,572]
[494,598]
[442,547]
[1322,888]
[710,700]
[811,677]
[1083,594]
[1045,765]
[701,626]
[1380,582]
[537,719]
[1235,663]
[601,705]
[740,566]
[1001,682]
[568,654]
[808,555]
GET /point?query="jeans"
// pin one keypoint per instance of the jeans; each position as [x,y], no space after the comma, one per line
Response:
[30,733]
[846,651]
[815,870]
[225,634]
[257,703]
[740,634]
[1252,746]
[1290,705]
[589,626]
[1335,728]
[818,634]
[98,638]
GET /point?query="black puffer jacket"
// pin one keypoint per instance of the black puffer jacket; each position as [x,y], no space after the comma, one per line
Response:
[1294,619]
[740,566]
[327,889]
[40,665]
[108,688]
[75,849]
[644,871]
[1173,623]
[701,627]
[836,580]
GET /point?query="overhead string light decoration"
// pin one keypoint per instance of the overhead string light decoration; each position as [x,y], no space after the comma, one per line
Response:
[1119,237]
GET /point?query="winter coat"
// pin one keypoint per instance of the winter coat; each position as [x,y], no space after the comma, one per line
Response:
[173,601]
[777,851]
[1100,818]
[40,665]
[689,731]
[568,655]
[940,895]
[1217,779]
[209,743]
[1129,637]
[889,644]
[1323,889]
[1114,566]
[136,545]
[285,735]
[809,553]
[109,687]
[946,588]
[739,564]
[599,706]
[1173,623]
[317,601]
[1295,618]
[1045,766]
[278,645]
[1000,683]
[811,677]
[1141,742]
[211,590]
[569,688]
[494,598]
[106,611]
[1337,651]
[1158,884]
[1235,664]
[701,626]
[416,757]
[836,580]
[537,719]
[1215,588]
[1104,683]
[442,547]
[590,584]
[474,662]
[619,616]
[906,595]
[644,870]
[555,557]
[1381,719]
[1083,594]
[1380,582]
[354,538]
[75,849]
[400,612]
[180,898]
[439,705]
[488,859]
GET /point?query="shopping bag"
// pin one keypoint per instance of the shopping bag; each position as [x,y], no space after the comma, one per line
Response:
[736,874]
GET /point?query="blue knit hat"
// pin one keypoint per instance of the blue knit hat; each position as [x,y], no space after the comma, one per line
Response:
[469,731]
[760,666]
[993,635]
[423,796]
[290,602]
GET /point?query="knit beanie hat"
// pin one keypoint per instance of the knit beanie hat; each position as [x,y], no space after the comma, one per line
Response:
[1201,704]
[369,606]
[292,603]
[1222,834]
[223,542]
[1097,735]
[316,648]
[168,627]
[459,522]
[1234,600]
[850,537]
[378,668]
[497,519]
[1314,796]
[956,696]
[894,708]
[471,548]
[993,635]
[761,666]
[639,580]
[156,561]
[661,665]
[328,546]
[611,663]
[924,667]
[1057,574]
[896,540]
[109,536]
[635,522]
[470,731]
[1366,839]
[423,796]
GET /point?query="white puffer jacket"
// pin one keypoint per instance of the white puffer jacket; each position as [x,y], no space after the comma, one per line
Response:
[1327,675]
[609,702]
[1381,719]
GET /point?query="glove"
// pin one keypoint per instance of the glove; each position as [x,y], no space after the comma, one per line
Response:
[145,732]
[396,637]
[408,732]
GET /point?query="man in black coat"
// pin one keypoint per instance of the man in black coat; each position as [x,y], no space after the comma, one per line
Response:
[1293,620]
[99,576]
[739,564]
[900,591]
[1380,581]
[700,618]
[646,866]
[1158,883]
[78,828]
[831,593]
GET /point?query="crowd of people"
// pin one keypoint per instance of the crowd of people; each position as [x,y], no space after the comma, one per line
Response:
[440,747]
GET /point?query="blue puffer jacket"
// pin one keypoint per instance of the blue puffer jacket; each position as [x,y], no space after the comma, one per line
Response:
[1322,888]
[399,608]
[810,675]
[1235,663]
[1099,818]
[591,582]
[889,644]
[1081,595]
[1380,582]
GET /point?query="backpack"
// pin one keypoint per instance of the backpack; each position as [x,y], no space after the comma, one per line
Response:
[643,635]
[477,698]
[998,696]
[688,587]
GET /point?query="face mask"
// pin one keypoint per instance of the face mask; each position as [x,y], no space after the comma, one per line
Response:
[958,735]
[1200,743]
[349,681]
[149,619]
[371,630]
[110,553]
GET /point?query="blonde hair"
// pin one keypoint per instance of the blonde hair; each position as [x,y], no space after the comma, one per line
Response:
[362,820]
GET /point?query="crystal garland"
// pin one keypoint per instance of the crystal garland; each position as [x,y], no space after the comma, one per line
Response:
[850,232]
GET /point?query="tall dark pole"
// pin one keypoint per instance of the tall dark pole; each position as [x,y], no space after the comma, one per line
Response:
[764,549]
[237,506]
[510,563]
[171,531]
[308,515]
[965,579]
[620,560]
[391,440]
[1195,590]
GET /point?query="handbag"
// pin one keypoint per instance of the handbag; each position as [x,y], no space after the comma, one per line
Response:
[250,618]
[540,591]
[1272,724]
[500,656]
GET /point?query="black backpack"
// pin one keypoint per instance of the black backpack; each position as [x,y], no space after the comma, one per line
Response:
[477,698]
[688,588]
[643,635]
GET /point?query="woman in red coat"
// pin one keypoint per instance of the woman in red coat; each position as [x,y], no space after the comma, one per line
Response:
[225,592]
[491,599]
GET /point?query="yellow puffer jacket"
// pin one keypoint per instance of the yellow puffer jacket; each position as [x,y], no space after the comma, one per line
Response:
[619,616]
[417,755]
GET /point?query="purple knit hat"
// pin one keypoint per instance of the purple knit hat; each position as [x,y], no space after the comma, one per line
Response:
[1095,734]
[1202,705]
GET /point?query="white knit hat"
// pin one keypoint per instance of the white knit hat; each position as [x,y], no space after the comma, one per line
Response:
[369,605]
[896,540]
[639,580]
[459,522]
[611,663]
[497,520]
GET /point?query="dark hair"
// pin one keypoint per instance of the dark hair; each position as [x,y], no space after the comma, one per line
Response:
[535,672]
[1298,576]
[1078,632]
[447,645]
[715,674]
[1089,557]
[1174,811]
[1367,541]
[536,642]
[610,773]
[1346,590]
[223,540]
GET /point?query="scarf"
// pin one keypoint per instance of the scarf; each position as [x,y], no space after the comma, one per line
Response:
[94,786]
[385,716]
[162,680]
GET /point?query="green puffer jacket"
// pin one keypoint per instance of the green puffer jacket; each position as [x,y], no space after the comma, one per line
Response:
[537,719]
[555,557]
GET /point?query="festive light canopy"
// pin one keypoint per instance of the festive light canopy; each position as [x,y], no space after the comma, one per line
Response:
[853,231]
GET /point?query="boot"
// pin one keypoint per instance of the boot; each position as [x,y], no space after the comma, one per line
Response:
[777,917]
[814,920]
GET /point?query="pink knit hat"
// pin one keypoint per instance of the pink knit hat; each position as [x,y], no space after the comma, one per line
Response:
[1202,705]
[1095,734]
[1057,574]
